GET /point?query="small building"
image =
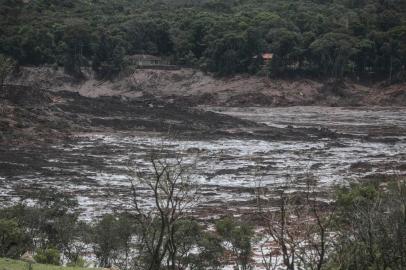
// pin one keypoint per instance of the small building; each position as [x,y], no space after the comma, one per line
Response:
[145,60]
[267,57]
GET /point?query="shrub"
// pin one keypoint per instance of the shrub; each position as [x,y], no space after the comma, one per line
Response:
[48,256]
[12,239]
[371,227]
[80,262]
[239,234]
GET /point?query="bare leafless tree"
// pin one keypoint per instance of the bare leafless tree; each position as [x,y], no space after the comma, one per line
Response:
[317,229]
[298,224]
[171,194]
[280,229]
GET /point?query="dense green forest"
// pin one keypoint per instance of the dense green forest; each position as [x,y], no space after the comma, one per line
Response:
[326,38]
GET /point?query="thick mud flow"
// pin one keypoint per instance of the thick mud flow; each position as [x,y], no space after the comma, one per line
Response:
[96,167]
[374,121]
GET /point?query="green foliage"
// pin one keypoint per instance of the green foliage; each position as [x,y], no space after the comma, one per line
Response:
[371,227]
[111,237]
[6,67]
[76,46]
[108,57]
[357,194]
[239,235]
[48,256]
[329,38]
[52,222]
[211,252]
[12,238]
[369,233]
[79,262]
[332,52]
[9,264]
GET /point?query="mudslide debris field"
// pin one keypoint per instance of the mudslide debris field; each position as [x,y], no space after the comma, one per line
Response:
[96,167]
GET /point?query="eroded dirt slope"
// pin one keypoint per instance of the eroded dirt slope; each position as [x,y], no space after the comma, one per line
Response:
[192,87]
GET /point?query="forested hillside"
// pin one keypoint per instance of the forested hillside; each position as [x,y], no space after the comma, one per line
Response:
[328,38]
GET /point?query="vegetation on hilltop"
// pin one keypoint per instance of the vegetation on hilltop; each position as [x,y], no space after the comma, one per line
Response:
[329,38]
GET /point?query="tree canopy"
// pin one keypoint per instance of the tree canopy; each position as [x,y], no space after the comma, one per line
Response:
[319,37]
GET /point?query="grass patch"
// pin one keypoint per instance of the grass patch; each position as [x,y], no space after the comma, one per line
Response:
[9,264]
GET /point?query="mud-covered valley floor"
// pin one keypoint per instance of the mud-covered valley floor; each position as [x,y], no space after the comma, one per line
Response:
[88,147]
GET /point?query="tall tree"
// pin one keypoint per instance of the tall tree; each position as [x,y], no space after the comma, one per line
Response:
[6,67]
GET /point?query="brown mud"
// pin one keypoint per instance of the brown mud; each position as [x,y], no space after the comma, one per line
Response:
[80,136]
[192,87]
[31,114]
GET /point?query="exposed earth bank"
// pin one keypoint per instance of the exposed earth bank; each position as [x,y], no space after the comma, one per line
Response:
[192,87]
[43,104]
[29,114]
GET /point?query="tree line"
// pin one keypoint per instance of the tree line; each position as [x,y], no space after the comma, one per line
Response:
[363,227]
[325,38]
